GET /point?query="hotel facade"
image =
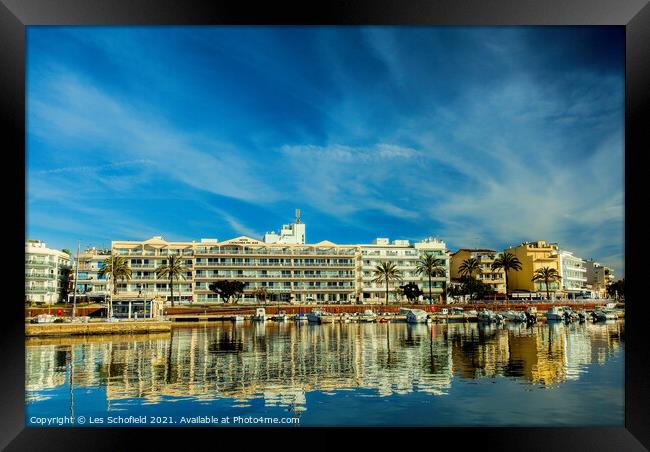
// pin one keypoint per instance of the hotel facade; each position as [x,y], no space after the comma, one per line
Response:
[496,279]
[46,273]
[281,265]
[573,272]
[90,284]
[598,277]
[533,256]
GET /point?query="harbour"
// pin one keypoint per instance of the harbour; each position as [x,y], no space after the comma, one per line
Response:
[339,373]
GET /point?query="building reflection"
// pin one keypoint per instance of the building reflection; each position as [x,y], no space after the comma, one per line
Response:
[281,362]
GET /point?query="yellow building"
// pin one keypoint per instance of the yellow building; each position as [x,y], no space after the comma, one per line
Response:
[494,278]
[533,255]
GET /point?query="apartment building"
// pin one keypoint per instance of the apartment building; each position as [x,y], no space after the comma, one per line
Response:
[321,272]
[405,257]
[282,266]
[46,273]
[485,256]
[90,284]
[533,255]
[144,257]
[598,277]
[573,272]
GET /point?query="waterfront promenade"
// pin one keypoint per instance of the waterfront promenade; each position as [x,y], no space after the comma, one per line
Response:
[97,327]
[63,326]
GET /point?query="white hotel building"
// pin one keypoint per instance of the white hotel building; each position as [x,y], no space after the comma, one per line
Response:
[405,258]
[46,273]
[282,263]
[573,273]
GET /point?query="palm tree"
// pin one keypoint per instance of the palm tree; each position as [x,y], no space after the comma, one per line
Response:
[174,268]
[386,272]
[261,294]
[546,274]
[469,266]
[507,262]
[115,268]
[431,266]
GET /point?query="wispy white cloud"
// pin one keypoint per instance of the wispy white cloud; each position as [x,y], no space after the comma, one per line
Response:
[82,114]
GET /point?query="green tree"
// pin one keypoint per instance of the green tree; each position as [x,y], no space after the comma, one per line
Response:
[387,273]
[411,291]
[173,269]
[548,275]
[261,294]
[228,289]
[430,266]
[455,291]
[617,289]
[115,268]
[475,288]
[469,267]
[506,262]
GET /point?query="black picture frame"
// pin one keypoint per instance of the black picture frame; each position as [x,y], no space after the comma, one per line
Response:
[634,15]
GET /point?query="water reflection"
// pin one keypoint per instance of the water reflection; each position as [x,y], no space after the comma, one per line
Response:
[281,362]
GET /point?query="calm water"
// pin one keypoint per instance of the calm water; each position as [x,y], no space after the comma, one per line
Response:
[337,374]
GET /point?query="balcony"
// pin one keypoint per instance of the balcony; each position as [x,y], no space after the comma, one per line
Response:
[267,265]
[37,263]
[40,276]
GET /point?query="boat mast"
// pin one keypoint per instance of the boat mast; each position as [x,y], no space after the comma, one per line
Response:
[74,288]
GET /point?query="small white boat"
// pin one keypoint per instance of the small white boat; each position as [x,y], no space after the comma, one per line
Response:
[237,318]
[301,318]
[487,316]
[554,314]
[345,318]
[280,317]
[80,319]
[620,312]
[531,314]
[368,316]
[318,316]
[514,316]
[569,315]
[416,316]
[45,318]
[600,314]
[260,315]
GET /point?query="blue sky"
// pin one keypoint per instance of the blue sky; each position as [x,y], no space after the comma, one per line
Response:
[479,136]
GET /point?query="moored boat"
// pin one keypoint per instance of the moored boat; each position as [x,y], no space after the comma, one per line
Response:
[601,314]
[416,316]
[487,316]
[515,316]
[44,318]
[318,316]
[280,317]
[569,315]
[368,316]
[531,314]
[237,318]
[582,315]
[554,313]
[260,315]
